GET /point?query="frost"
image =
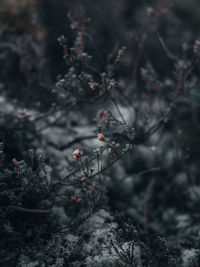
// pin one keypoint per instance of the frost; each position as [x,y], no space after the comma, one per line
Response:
[188,255]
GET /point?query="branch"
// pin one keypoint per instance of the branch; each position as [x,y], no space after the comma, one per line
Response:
[169,54]
[74,141]
[13,208]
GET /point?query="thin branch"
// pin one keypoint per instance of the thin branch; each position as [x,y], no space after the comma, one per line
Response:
[74,141]
[169,54]
[13,208]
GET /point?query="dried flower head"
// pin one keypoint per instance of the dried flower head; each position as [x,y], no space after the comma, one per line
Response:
[100,137]
[77,154]
[103,114]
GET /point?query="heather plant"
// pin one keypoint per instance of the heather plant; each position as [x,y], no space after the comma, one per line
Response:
[103,169]
[28,189]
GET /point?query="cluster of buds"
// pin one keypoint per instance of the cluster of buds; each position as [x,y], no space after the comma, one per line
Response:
[75,199]
[77,154]
[91,186]
[156,12]
[101,137]
[79,43]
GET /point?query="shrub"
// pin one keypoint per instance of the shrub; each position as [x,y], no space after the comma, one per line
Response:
[99,168]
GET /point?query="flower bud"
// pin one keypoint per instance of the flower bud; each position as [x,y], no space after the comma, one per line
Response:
[110,151]
[100,137]
[150,12]
[73,198]
[77,154]
[15,162]
[44,175]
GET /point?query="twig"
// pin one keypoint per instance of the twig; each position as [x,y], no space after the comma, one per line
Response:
[13,208]
[146,199]
[169,54]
